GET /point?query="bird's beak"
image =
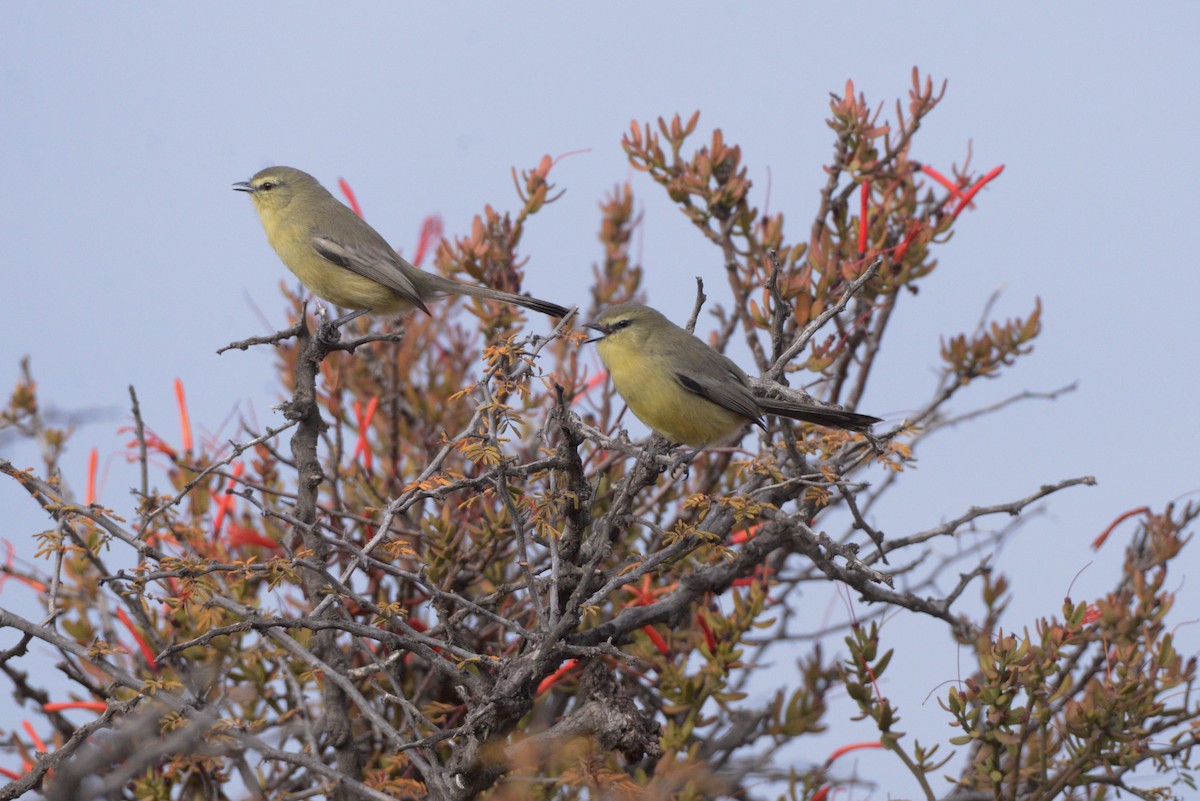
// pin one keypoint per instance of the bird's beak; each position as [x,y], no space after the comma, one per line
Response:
[604,331]
[242,186]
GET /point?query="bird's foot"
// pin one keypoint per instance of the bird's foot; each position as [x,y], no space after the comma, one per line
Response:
[328,332]
[680,463]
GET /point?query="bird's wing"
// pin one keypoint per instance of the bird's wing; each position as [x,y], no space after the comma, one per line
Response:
[378,264]
[730,393]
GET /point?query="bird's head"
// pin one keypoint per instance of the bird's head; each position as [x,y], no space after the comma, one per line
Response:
[274,188]
[628,324]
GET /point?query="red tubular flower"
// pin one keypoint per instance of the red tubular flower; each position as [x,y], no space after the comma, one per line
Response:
[974,190]
[349,193]
[1099,541]
[555,677]
[570,153]
[241,535]
[862,319]
[761,573]
[950,186]
[744,536]
[823,793]
[657,639]
[431,234]
[644,594]
[33,735]
[93,461]
[224,501]
[147,652]
[709,640]
[364,424]
[59,706]
[845,749]
[185,424]
[597,380]
[865,197]
[913,228]
[153,442]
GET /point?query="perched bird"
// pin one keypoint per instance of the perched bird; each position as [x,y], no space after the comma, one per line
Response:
[685,390]
[342,259]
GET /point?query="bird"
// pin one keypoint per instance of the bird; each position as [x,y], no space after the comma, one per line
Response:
[342,259]
[683,389]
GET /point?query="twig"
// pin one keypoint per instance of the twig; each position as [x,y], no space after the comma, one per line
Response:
[700,298]
[810,330]
[270,339]
[1012,508]
[140,431]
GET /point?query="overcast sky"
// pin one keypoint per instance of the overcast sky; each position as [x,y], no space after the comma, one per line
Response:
[130,261]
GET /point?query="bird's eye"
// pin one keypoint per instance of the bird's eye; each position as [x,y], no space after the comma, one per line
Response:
[266,185]
[621,324]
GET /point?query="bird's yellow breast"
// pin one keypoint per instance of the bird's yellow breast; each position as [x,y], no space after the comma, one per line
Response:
[332,282]
[655,396]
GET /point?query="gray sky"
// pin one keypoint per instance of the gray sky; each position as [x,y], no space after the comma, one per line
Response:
[130,261]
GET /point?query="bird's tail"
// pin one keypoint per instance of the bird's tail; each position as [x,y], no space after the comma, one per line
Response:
[450,287]
[819,415]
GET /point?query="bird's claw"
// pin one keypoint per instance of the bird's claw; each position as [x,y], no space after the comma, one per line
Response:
[328,332]
[680,463]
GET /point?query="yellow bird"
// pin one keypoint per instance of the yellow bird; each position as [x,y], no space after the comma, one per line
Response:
[342,259]
[683,389]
